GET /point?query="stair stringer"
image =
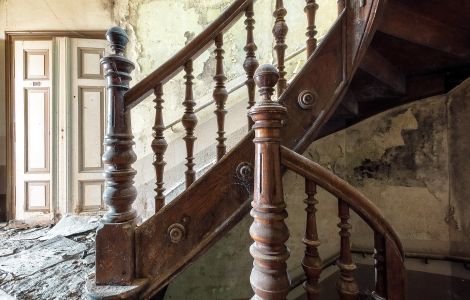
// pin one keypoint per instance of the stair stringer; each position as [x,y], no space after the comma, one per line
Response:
[218,200]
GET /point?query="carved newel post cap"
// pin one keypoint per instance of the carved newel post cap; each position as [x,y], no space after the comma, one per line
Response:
[266,77]
[118,39]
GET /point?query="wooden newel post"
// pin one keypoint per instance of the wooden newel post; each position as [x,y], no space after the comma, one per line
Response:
[115,239]
[269,278]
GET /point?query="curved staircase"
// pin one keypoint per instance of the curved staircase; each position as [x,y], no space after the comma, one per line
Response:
[135,262]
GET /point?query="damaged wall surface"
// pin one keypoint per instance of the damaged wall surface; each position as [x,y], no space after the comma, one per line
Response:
[410,162]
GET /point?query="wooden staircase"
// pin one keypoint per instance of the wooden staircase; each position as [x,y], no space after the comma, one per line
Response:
[135,262]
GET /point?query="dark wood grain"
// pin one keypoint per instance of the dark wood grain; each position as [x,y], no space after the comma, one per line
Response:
[220,96]
[115,239]
[189,121]
[210,215]
[311,8]
[311,262]
[341,5]
[159,146]
[269,278]
[379,67]
[251,63]
[280,30]
[359,203]
[346,285]
[380,266]
[349,197]
[432,33]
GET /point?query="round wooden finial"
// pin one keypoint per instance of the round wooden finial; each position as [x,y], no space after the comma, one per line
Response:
[118,39]
[266,77]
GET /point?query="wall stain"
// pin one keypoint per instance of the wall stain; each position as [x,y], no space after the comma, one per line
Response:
[402,165]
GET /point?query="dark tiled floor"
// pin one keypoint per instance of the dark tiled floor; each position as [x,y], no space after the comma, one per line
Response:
[420,285]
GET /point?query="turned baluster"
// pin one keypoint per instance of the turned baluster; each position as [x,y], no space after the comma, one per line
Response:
[341,6]
[220,95]
[251,63]
[115,240]
[311,262]
[189,121]
[379,264]
[346,285]
[280,30]
[159,146]
[311,9]
[269,278]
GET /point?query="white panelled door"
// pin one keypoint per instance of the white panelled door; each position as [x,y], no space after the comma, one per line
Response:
[60,103]
[33,122]
[88,123]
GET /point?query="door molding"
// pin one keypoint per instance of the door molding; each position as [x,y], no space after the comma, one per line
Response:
[10,38]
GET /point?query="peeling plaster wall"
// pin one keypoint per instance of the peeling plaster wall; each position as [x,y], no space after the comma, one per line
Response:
[399,159]
[411,161]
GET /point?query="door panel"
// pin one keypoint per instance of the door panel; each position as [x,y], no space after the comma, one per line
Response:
[37,196]
[88,105]
[91,128]
[50,181]
[36,135]
[33,130]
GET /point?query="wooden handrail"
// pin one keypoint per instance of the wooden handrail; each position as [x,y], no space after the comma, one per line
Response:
[367,210]
[190,52]
[389,255]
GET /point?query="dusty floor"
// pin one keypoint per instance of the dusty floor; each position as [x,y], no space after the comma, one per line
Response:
[47,262]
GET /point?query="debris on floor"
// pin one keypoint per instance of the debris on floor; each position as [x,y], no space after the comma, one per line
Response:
[72,225]
[41,262]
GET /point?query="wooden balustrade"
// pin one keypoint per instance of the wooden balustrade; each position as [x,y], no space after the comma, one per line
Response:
[379,265]
[311,10]
[269,278]
[220,95]
[346,285]
[251,63]
[115,239]
[159,146]
[189,121]
[280,30]
[311,262]
[389,264]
